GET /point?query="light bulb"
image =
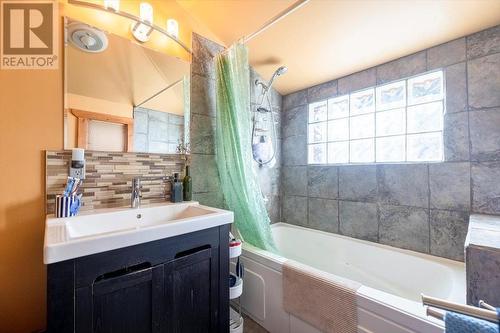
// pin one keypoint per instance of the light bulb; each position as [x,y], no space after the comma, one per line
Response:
[113,4]
[173,28]
[146,12]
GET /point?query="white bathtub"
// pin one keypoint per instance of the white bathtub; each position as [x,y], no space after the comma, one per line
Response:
[392,279]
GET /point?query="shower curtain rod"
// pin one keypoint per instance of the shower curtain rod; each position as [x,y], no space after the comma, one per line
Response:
[281,15]
[275,19]
[159,92]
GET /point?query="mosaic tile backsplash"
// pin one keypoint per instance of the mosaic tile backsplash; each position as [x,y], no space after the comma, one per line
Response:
[109,176]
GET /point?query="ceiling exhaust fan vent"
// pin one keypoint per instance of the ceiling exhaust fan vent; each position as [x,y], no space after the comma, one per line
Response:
[86,38]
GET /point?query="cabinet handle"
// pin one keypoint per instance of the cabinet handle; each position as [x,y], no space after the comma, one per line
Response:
[192,251]
[122,278]
[192,256]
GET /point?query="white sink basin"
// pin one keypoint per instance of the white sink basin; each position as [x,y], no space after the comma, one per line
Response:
[108,229]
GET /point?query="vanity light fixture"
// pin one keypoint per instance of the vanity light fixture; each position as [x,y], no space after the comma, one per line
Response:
[142,26]
[173,27]
[112,4]
[140,30]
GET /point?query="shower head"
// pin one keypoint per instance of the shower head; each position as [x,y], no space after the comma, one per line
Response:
[280,71]
[265,87]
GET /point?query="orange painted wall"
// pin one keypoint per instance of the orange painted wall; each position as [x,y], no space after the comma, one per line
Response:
[31,121]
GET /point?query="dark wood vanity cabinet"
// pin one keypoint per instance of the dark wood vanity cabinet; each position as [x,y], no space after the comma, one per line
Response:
[177,284]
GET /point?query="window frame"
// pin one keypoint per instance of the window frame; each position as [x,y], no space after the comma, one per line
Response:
[374,138]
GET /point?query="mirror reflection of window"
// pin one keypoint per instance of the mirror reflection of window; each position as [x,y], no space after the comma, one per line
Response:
[106,136]
[126,97]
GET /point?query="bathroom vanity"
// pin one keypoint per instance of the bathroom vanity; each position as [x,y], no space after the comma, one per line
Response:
[162,268]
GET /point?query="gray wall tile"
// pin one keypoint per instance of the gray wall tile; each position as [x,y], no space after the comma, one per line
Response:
[456,88]
[447,187]
[202,95]
[158,127]
[322,91]
[273,207]
[203,52]
[294,180]
[212,199]
[175,133]
[483,267]
[456,137]
[206,184]
[484,42]
[294,150]
[295,121]
[485,188]
[485,134]
[269,179]
[323,215]
[295,99]
[140,121]
[202,134]
[140,142]
[404,227]
[404,184]
[205,174]
[402,67]
[322,182]
[175,119]
[359,220]
[450,185]
[358,183]
[448,232]
[484,81]
[357,81]
[446,54]
[158,147]
[295,210]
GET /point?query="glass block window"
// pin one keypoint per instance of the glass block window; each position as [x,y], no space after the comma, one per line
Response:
[400,121]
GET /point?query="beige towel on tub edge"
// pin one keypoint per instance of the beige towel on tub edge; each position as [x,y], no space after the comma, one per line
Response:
[324,300]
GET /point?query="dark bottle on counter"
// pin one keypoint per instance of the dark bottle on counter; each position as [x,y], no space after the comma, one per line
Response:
[187,183]
[176,193]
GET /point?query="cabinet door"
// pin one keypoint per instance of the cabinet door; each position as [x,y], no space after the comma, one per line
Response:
[129,303]
[191,287]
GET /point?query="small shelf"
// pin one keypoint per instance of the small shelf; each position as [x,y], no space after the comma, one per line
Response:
[235,250]
[237,289]
[236,321]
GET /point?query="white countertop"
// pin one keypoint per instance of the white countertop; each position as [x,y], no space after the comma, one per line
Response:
[103,230]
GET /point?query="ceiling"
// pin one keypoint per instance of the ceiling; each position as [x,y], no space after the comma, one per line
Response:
[328,39]
[126,74]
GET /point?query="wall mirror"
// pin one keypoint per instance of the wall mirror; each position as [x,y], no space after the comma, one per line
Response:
[121,96]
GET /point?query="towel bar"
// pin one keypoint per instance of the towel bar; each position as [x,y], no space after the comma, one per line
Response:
[459,308]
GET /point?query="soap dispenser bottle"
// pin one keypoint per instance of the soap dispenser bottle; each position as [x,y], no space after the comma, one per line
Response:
[176,194]
[187,185]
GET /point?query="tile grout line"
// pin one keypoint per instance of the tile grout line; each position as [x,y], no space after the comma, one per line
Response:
[467,107]
[338,200]
[429,206]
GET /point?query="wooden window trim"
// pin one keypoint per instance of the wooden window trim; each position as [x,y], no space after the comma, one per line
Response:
[83,118]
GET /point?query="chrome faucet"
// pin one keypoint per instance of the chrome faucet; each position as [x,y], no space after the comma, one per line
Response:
[136,195]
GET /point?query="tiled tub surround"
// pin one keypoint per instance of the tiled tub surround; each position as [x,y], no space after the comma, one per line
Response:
[206,184]
[109,177]
[482,259]
[269,175]
[422,207]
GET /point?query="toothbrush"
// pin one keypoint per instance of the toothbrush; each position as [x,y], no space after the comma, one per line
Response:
[69,186]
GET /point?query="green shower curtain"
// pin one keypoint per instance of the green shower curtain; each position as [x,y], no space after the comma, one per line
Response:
[234,148]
